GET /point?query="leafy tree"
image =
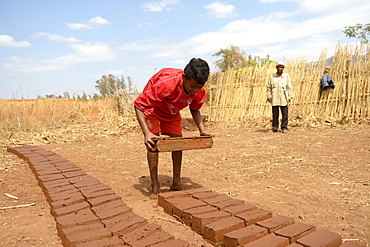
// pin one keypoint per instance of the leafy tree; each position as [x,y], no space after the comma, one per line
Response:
[358,31]
[109,84]
[231,57]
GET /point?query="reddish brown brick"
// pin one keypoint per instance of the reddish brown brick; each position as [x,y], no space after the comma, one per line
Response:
[162,197]
[52,177]
[321,238]
[89,235]
[202,195]
[214,232]
[295,231]
[81,217]
[49,171]
[97,187]
[270,240]
[197,190]
[114,241]
[275,223]
[173,243]
[61,196]
[78,229]
[60,189]
[69,209]
[200,220]
[53,184]
[93,194]
[169,203]
[186,203]
[216,199]
[294,245]
[111,212]
[75,198]
[124,223]
[103,199]
[227,203]
[253,216]
[239,208]
[108,205]
[187,215]
[140,233]
[72,174]
[244,235]
[155,238]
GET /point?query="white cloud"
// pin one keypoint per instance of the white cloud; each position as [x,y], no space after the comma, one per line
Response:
[55,37]
[145,24]
[158,6]
[220,10]
[8,41]
[83,53]
[94,23]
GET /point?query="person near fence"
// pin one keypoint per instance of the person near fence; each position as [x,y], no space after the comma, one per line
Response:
[158,112]
[326,81]
[279,93]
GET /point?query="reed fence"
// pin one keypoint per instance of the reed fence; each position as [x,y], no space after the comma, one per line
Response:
[240,94]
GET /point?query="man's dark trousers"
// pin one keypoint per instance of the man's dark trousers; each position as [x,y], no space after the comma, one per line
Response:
[275,117]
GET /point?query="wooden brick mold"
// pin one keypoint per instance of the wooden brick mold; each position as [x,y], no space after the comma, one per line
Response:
[228,222]
[89,213]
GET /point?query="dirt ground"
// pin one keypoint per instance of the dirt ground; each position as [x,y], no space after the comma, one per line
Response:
[318,176]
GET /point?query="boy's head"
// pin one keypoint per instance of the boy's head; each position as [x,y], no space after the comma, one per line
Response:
[198,70]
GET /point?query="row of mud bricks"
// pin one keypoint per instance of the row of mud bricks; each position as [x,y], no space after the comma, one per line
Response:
[89,213]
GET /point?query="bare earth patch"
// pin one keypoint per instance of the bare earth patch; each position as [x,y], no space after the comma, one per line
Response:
[318,176]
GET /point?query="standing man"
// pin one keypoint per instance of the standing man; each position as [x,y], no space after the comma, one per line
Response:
[158,112]
[279,93]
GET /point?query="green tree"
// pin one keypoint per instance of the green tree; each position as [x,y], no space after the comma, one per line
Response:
[358,31]
[231,57]
[109,84]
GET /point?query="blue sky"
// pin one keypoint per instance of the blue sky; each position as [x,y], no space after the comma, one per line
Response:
[52,47]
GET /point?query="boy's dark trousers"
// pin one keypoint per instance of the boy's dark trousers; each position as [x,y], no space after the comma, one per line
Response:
[275,117]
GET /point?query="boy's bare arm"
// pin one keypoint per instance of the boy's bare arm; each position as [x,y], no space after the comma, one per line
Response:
[148,136]
[199,122]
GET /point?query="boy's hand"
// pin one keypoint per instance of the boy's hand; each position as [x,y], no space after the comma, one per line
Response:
[206,134]
[150,141]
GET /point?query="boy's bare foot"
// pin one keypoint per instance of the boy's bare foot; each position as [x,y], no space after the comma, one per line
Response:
[153,196]
[176,187]
[155,191]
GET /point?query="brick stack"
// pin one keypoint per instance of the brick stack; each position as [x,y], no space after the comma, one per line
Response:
[224,221]
[87,212]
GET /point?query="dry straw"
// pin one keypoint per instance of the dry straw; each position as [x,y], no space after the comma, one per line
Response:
[240,94]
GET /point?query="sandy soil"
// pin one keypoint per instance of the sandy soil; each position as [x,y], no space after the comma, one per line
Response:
[318,176]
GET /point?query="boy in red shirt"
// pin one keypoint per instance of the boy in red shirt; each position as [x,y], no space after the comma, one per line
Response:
[158,112]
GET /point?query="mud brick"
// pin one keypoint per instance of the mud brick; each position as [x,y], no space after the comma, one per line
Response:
[103,199]
[156,237]
[186,204]
[214,232]
[321,238]
[50,155]
[58,183]
[61,189]
[239,208]
[71,169]
[244,235]
[72,174]
[93,194]
[64,195]
[197,190]
[15,150]
[200,220]
[275,223]
[69,209]
[34,158]
[170,202]
[351,244]
[227,203]
[63,232]
[49,171]
[140,233]
[162,197]
[183,143]
[35,148]
[107,206]
[75,198]
[253,216]
[295,231]
[95,234]
[42,166]
[112,212]
[270,240]
[96,187]
[173,243]
[52,177]
[84,216]
[202,195]
[114,241]
[187,214]
[294,245]
[216,199]
[59,160]
[83,181]
[125,224]
[64,164]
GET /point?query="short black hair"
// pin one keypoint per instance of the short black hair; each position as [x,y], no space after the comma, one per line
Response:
[198,70]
